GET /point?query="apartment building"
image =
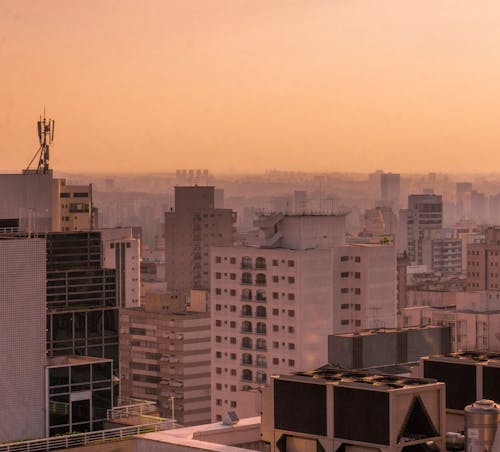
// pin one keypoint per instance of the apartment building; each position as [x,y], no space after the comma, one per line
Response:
[483,259]
[22,329]
[441,252]
[425,212]
[273,305]
[165,357]
[190,231]
[122,252]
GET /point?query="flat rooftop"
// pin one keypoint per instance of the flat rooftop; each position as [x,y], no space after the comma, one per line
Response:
[357,378]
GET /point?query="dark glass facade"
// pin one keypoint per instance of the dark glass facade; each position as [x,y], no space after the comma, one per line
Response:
[79,396]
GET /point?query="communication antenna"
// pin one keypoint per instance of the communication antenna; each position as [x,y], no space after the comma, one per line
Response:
[45,129]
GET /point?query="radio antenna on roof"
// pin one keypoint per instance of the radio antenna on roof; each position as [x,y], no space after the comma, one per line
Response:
[45,129]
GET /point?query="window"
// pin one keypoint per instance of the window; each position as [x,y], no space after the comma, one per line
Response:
[218,323]
[232,308]
[276,328]
[218,354]
[291,346]
[291,296]
[276,345]
[344,258]
[232,356]
[276,279]
[357,275]
[218,291]
[232,324]
[218,307]
[218,259]
[291,329]
[218,370]
[218,417]
[218,338]
[276,311]
[357,291]
[344,306]
[232,292]
[344,275]
[276,295]
[357,322]
[291,280]
[232,340]
[291,263]
[218,386]
[291,362]
[233,404]
[218,275]
[291,313]
[357,307]
[233,387]
[276,361]
[344,322]
[357,259]
[218,402]
[275,262]
[344,290]
[232,276]
[233,373]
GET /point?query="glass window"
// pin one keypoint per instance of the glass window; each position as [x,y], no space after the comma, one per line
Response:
[101,371]
[59,376]
[80,374]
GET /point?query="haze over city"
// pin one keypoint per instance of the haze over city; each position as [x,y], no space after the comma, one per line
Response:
[250,85]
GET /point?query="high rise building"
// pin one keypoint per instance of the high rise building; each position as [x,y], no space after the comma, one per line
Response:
[390,189]
[165,357]
[190,231]
[22,329]
[425,212]
[273,305]
[483,262]
[462,190]
[38,202]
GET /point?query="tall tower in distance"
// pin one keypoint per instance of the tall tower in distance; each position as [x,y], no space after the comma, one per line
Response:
[45,129]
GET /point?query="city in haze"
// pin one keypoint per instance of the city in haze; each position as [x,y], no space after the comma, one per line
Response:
[237,225]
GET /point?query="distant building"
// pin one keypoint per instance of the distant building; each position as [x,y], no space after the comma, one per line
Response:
[390,189]
[425,212]
[22,333]
[190,231]
[483,259]
[462,190]
[441,252]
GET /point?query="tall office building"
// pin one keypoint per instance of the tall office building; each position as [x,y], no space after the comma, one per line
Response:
[38,202]
[22,347]
[390,189]
[190,231]
[425,212]
[462,190]
[273,305]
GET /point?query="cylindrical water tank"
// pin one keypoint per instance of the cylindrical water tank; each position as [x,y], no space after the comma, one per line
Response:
[481,421]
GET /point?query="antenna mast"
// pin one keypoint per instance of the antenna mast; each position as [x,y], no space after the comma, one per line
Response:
[45,129]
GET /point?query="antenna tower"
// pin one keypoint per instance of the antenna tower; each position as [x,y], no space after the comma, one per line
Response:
[45,128]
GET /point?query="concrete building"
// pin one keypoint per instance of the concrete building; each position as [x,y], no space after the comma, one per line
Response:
[165,357]
[190,231]
[39,202]
[22,347]
[387,347]
[390,189]
[300,204]
[331,409]
[425,212]
[462,190]
[122,252]
[273,305]
[482,262]
[441,252]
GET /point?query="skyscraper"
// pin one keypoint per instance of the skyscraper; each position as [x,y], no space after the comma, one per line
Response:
[390,188]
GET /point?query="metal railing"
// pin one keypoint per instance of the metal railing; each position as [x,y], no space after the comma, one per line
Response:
[85,439]
[142,408]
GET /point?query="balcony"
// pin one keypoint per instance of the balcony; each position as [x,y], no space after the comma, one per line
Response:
[261,348]
[246,266]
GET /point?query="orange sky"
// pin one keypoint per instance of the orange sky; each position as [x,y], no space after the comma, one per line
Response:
[154,85]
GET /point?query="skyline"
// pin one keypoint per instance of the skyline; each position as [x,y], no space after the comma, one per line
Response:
[248,86]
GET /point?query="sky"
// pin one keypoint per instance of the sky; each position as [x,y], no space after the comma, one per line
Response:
[249,85]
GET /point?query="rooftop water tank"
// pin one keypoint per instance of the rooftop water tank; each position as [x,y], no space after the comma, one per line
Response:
[481,421]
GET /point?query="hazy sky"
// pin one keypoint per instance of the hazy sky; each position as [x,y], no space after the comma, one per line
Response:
[154,85]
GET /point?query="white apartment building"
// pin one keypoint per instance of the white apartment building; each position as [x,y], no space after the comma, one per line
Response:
[122,252]
[274,305]
[22,338]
